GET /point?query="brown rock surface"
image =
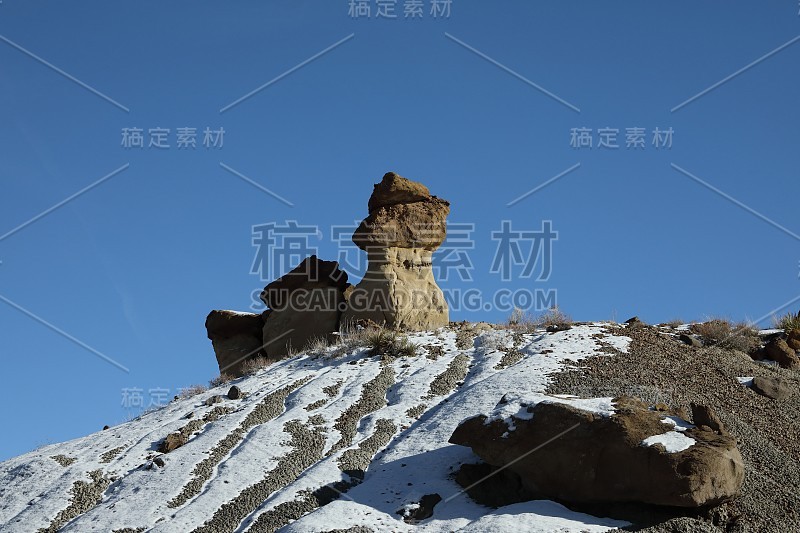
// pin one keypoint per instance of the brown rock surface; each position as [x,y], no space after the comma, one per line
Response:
[395,189]
[793,339]
[587,458]
[306,304]
[236,337]
[405,225]
[780,352]
[772,387]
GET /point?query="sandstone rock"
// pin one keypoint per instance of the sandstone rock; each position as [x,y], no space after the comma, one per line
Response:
[395,189]
[405,225]
[584,457]
[398,291]
[702,415]
[236,337]
[772,387]
[173,441]
[234,393]
[793,339]
[417,225]
[779,351]
[306,304]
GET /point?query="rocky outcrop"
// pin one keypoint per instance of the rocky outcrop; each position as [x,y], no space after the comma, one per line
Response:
[405,225]
[793,339]
[633,455]
[305,304]
[779,351]
[236,337]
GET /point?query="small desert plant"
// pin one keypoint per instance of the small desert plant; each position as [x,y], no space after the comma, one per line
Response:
[316,347]
[516,317]
[350,337]
[382,341]
[253,365]
[192,390]
[554,317]
[788,322]
[222,379]
[521,321]
[674,323]
[725,334]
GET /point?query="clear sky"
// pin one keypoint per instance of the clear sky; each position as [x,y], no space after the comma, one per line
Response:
[482,104]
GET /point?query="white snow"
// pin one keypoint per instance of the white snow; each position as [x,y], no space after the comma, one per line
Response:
[521,408]
[673,441]
[417,461]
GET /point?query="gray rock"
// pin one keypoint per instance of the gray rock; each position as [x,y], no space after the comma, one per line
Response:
[772,387]
[691,340]
[234,393]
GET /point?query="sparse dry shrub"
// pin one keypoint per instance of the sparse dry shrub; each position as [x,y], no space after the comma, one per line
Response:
[674,323]
[788,322]
[725,334]
[192,390]
[521,321]
[253,365]
[554,317]
[316,347]
[222,379]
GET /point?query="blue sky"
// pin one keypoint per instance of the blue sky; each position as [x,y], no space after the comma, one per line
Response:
[132,266]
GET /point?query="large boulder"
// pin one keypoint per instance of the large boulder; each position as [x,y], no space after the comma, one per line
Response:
[236,337]
[404,226]
[793,339]
[633,455]
[305,304]
[779,351]
[773,387]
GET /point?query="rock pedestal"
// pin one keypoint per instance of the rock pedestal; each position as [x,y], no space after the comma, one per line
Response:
[404,227]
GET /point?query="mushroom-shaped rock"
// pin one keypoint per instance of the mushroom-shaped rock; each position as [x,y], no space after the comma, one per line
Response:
[404,226]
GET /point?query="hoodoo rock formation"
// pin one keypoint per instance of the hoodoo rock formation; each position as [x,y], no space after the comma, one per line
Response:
[404,227]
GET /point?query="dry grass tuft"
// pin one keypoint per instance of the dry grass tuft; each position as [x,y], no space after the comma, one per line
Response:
[222,379]
[192,390]
[253,365]
[725,334]
[788,322]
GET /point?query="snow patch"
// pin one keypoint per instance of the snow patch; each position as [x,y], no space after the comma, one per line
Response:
[673,441]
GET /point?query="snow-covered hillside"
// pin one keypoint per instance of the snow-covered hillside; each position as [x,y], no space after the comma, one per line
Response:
[315,444]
